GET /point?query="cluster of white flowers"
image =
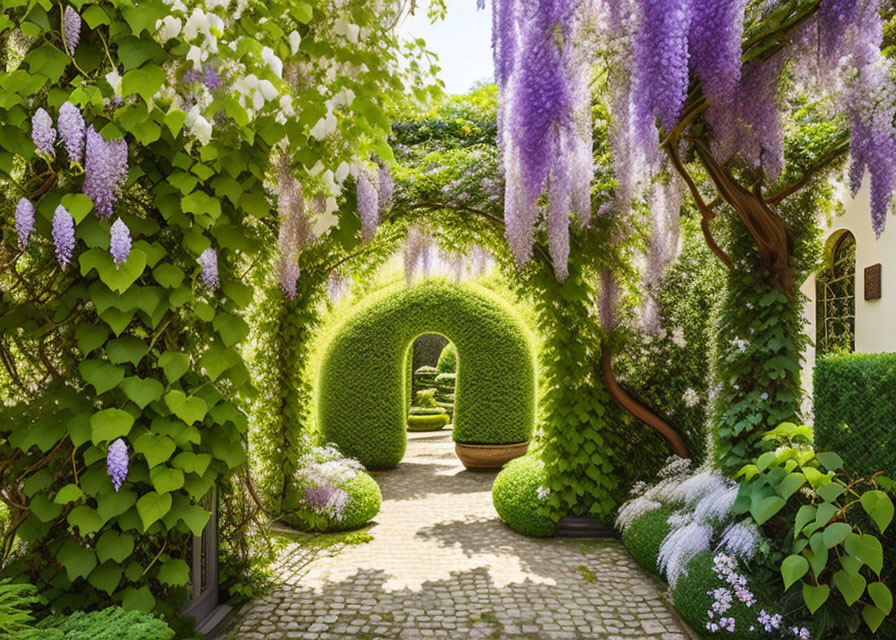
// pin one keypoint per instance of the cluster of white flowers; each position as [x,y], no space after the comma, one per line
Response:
[691,398]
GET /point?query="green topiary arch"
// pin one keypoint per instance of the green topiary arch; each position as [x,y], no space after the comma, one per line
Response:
[363,388]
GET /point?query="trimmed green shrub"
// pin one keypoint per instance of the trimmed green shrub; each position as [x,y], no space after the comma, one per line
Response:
[448,359]
[645,535]
[112,623]
[427,422]
[692,598]
[426,398]
[855,409]
[515,494]
[366,363]
[364,500]
[428,411]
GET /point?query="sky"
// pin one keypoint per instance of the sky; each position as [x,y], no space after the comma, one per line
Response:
[462,41]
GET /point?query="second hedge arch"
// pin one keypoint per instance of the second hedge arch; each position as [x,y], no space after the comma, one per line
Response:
[364,377]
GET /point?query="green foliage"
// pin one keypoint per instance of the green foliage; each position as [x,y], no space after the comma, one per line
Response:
[16,601]
[855,409]
[692,600]
[672,373]
[832,542]
[516,499]
[645,535]
[112,623]
[366,361]
[448,359]
[431,422]
[144,351]
[759,337]
[364,503]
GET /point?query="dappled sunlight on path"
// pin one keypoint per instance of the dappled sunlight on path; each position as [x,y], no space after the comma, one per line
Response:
[442,565]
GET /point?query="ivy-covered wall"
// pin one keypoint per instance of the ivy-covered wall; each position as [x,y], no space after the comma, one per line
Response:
[363,385]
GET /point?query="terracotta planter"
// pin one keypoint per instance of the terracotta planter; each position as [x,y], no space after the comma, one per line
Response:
[484,457]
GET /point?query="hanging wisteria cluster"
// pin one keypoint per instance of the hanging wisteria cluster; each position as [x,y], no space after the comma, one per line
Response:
[655,51]
[423,258]
[105,173]
[295,232]
[117,462]
[375,189]
[544,122]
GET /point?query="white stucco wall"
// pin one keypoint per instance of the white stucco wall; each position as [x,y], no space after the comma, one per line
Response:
[875,319]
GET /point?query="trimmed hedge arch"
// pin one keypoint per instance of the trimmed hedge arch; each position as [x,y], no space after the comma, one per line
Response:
[364,384]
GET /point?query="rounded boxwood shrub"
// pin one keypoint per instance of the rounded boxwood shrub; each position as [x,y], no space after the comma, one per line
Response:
[516,499]
[448,359]
[364,385]
[434,422]
[645,535]
[429,411]
[692,598]
[364,500]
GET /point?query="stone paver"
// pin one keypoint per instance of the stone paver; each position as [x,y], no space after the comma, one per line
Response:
[442,565]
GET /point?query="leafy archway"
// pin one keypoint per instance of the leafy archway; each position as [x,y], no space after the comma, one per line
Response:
[363,384]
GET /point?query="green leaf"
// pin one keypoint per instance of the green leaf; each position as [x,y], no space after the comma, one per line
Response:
[114,546]
[90,337]
[195,517]
[818,559]
[86,519]
[867,549]
[166,479]
[200,203]
[111,503]
[142,391]
[146,81]
[192,462]
[763,462]
[126,349]
[815,596]
[174,365]
[836,533]
[168,275]
[78,205]
[873,617]
[106,577]
[850,565]
[790,484]
[825,513]
[152,507]
[832,491]
[189,409]
[155,448]
[232,329]
[805,515]
[792,569]
[830,460]
[767,508]
[68,493]
[110,424]
[852,587]
[174,572]
[102,375]
[879,507]
[881,596]
[174,120]
[138,599]
[77,560]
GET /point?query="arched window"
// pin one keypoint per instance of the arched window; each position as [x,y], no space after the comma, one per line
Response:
[835,288]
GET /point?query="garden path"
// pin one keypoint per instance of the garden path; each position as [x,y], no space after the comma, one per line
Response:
[441,564]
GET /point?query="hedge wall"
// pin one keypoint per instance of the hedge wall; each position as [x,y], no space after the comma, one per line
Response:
[363,386]
[855,409]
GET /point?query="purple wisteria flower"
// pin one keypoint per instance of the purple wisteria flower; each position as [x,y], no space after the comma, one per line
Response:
[385,189]
[106,171]
[72,131]
[208,263]
[117,462]
[368,206]
[212,80]
[120,242]
[192,76]
[24,221]
[42,132]
[63,235]
[72,29]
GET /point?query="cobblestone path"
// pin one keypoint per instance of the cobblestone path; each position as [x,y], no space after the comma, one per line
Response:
[442,565]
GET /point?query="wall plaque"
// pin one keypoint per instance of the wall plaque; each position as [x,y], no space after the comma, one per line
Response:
[872,282]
